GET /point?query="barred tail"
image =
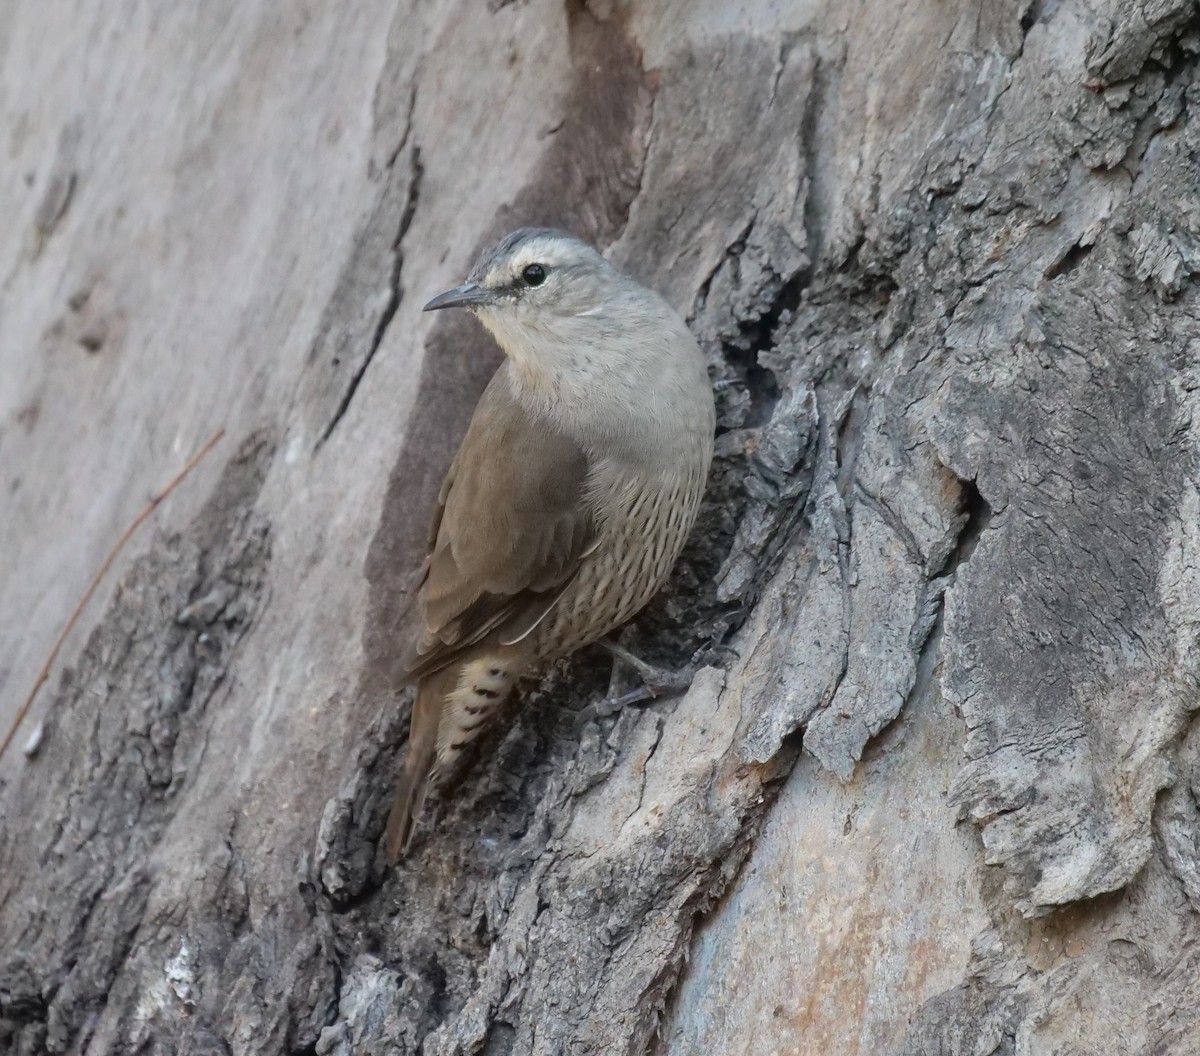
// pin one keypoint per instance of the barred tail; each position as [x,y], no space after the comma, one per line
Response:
[451,709]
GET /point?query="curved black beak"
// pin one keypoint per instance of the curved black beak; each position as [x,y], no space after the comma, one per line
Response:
[465,296]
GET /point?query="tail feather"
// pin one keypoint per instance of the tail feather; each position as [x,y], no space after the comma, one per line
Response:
[451,707]
[407,806]
[418,766]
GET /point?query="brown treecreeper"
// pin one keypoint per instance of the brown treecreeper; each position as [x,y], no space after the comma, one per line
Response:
[571,496]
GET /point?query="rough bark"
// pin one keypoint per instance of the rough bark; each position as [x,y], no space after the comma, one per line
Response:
[944,795]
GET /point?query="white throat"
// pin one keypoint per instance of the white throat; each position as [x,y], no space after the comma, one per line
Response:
[606,383]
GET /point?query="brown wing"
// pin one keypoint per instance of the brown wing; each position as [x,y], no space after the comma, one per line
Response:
[510,532]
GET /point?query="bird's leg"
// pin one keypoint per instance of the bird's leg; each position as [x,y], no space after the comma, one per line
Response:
[656,681]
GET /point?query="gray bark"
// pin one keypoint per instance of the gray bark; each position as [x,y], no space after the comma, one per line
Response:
[944,796]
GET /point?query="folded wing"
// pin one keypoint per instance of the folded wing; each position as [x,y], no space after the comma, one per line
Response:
[510,532]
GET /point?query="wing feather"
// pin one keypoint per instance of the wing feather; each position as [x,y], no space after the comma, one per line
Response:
[510,531]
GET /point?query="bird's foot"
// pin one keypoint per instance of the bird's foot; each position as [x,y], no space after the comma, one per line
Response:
[606,707]
[656,681]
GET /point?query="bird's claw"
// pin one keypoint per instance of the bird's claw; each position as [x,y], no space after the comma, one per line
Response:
[715,655]
[609,706]
[655,680]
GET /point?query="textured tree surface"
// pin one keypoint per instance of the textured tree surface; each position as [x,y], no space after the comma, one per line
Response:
[943,795]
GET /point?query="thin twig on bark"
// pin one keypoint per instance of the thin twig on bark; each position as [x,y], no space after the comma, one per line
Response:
[44,674]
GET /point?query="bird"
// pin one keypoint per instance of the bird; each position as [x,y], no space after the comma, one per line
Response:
[570,498]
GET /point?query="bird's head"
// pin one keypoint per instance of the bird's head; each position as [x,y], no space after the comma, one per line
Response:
[534,284]
[585,343]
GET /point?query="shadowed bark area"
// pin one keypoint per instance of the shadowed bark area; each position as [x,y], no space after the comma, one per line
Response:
[944,796]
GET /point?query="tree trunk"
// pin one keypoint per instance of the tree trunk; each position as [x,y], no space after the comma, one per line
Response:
[942,796]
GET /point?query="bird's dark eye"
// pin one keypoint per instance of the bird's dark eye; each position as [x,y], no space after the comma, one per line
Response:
[534,275]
